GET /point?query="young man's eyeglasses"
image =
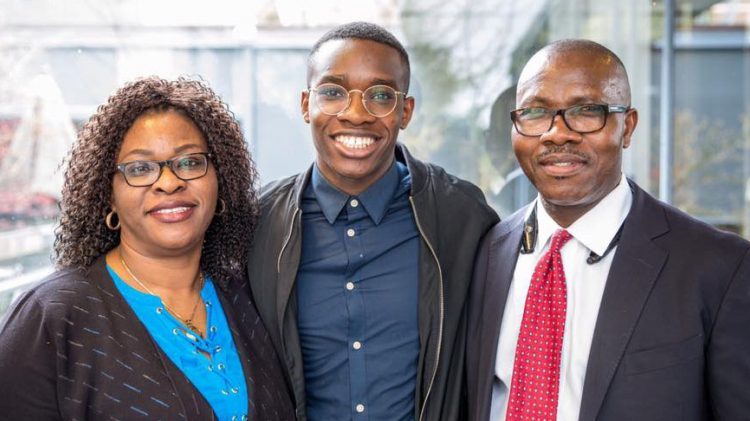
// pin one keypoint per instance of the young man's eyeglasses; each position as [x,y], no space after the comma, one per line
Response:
[146,173]
[584,118]
[378,100]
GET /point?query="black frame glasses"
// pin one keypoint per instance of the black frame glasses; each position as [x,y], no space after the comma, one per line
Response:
[336,105]
[582,118]
[128,169]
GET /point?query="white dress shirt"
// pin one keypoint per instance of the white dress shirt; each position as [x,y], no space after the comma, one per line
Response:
[585,283]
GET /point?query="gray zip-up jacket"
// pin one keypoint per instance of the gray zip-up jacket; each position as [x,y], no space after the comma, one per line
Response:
[451,216]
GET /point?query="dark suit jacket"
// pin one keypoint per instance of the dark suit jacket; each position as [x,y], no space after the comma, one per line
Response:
[672,339]
[72,348]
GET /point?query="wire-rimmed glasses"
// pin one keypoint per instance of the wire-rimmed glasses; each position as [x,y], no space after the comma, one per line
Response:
[378,100]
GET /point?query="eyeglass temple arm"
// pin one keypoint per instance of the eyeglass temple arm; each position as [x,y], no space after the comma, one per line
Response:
[618,108]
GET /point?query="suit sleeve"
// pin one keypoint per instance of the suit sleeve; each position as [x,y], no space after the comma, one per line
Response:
[27,364]
[729,350]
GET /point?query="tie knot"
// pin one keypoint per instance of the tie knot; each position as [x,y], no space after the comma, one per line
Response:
[559,238]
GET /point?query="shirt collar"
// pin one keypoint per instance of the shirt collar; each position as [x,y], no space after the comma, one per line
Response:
[596,228]
[374,200]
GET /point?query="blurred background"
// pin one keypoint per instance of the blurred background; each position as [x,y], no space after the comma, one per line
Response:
[688,63]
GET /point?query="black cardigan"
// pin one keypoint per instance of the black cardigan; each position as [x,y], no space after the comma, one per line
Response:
[72,348]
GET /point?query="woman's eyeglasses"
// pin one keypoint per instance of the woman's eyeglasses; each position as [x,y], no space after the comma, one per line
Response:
[146,173]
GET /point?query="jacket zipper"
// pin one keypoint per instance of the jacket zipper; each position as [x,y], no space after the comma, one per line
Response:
[442,309]
[286,242]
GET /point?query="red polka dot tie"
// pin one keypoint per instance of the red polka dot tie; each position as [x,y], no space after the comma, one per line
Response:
[536,369]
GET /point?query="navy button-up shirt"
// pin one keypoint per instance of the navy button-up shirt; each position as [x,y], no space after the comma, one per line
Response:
[357,298]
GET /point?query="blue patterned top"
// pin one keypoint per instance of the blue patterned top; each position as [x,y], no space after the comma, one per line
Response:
[221,379]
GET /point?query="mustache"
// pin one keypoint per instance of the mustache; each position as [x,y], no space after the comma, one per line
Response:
[561,149]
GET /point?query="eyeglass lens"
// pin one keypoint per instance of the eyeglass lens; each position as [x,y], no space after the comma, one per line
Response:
[585,118]
[145,173]
[378,100]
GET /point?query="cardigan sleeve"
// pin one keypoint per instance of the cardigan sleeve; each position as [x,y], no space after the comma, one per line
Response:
[28,361]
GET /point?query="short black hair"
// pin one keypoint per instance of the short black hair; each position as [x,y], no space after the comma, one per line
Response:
[365,31]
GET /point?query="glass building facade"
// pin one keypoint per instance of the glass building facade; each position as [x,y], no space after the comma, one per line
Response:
[60,60]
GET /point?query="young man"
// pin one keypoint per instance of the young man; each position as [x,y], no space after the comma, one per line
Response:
[597,301]
[360,266]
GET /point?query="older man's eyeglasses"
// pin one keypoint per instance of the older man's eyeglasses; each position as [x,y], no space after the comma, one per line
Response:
[378,100]
[146,173]
[584,118]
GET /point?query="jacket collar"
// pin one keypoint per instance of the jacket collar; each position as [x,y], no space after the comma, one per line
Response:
[300,181]
[419,171]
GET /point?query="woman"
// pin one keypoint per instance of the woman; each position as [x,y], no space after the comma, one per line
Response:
[148,316]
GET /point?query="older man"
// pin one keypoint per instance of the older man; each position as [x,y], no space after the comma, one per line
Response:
[597,301]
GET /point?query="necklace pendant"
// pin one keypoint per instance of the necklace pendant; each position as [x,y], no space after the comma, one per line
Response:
[193,329]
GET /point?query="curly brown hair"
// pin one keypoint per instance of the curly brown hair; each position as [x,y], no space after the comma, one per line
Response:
[82,234]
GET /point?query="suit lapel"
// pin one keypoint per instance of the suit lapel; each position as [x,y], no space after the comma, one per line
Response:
[503,253]
[635,268]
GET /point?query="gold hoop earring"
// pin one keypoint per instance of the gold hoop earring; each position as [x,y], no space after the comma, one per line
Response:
[223,207]
[108,221]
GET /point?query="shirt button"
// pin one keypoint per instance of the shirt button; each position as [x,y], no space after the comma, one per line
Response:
[357,345]
[360,408]
[354,203]
[350,286]
[350,232]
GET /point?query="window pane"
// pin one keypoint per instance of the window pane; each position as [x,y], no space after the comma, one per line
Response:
[59,61]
